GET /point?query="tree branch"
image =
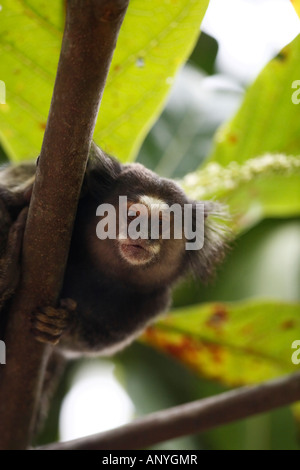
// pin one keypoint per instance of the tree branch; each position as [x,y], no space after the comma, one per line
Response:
[193,417]
[90,35]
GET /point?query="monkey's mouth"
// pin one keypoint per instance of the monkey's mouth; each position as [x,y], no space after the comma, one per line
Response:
[135,251]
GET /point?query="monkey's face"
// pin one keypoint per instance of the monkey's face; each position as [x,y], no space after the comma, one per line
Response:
[136,232]
[144,246]
[146,233]
[140,261]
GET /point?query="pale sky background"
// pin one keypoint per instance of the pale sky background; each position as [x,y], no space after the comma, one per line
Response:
[250,33]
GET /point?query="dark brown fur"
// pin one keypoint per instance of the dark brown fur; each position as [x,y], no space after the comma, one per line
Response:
[115,300]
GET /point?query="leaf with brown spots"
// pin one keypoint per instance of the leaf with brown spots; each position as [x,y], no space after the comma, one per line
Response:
[268,119]
[155,40]
[231,342]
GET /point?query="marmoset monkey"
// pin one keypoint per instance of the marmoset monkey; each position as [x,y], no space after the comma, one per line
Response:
[114,287]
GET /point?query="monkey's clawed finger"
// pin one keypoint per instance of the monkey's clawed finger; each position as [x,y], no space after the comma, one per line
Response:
[49,323]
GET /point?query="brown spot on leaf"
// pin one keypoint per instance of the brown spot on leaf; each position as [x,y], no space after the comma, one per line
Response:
[150,334]
[179,350]
[117,68]
[288,324]
[232,139]
[218,318]
[42,125]
[174,350]
[216,351]
[282,56]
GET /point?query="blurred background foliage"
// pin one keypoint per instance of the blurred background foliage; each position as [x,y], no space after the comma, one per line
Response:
[212,135]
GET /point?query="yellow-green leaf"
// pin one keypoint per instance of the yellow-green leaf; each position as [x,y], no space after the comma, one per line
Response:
[296,5]
[234,343]
[268,120]
[155,40]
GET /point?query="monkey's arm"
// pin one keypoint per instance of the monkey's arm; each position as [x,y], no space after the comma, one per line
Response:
[15,191]
[103,328]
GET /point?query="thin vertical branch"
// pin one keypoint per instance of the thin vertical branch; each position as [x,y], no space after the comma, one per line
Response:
[90,36]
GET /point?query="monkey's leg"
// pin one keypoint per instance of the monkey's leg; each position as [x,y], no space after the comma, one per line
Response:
[10,261]
[49,323]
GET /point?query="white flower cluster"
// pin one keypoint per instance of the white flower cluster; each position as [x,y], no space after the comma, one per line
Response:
[215,179]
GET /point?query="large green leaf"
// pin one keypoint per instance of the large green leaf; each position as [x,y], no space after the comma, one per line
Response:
[268,120]
[235,343]
[261,187]
[155,40]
